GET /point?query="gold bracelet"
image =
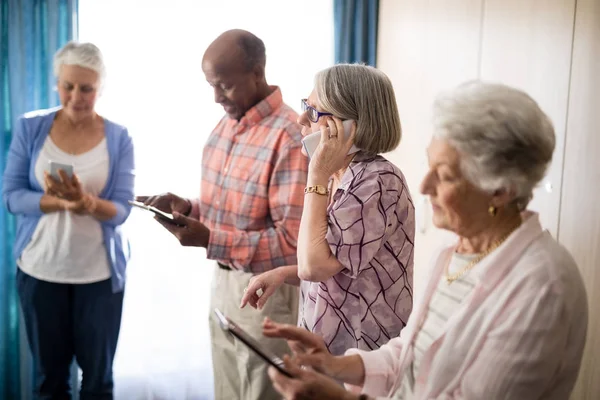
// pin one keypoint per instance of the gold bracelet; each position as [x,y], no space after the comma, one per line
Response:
[318,189]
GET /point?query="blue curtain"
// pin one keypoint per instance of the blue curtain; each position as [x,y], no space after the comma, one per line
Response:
[30,32]
[355,31]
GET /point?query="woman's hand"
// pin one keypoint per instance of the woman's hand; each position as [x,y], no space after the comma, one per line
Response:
[64,188]
[306,384]
[267,283]
[86,205]
[331,154]
[309,349]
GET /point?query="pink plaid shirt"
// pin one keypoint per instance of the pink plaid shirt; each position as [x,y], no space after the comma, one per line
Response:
[252,193]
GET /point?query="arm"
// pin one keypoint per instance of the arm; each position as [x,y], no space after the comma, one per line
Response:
[274,246]
[290,273]
[316,262]
[377,371]
[101,209]
[17,194]
[115,210]
[49,204]
[358,227]
[373,371]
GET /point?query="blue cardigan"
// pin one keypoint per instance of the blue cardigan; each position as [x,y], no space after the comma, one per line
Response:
[22,193]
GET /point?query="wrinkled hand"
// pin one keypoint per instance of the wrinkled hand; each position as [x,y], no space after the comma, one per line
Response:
[309,349]
[267,282]
[64,188]
[332,152]
[167,202]
[306,384]
[188,231]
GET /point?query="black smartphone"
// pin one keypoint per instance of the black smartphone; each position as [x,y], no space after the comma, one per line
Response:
[231,327]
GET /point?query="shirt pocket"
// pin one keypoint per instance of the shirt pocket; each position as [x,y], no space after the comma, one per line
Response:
[247,197]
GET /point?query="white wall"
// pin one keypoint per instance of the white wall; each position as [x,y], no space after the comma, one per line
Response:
[549,48]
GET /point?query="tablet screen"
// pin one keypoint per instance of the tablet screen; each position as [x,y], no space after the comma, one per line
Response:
[231,327]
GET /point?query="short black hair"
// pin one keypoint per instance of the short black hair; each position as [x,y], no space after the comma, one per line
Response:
[254,51]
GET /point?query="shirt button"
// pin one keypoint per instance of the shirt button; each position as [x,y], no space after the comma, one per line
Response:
[226,169]
[218,202]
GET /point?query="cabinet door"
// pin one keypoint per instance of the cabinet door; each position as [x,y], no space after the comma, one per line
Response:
[527,44]
[579,229]
[425,47]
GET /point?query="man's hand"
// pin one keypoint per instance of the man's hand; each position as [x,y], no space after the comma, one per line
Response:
[188,231]
[167,202]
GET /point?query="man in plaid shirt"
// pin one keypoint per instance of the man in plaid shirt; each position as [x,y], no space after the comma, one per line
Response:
[248,213]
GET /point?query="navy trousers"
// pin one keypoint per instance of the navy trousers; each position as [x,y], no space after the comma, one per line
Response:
[64,321]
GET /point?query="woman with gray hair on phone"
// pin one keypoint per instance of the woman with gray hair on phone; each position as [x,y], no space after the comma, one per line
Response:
[504,313]
[68,178]
[355,245]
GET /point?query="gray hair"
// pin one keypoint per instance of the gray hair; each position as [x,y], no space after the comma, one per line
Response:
[85,55]
[366,95]
[505,139]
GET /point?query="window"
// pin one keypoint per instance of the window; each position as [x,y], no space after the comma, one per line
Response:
[156,88]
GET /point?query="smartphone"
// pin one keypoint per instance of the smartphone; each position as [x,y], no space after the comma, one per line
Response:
[55,166]
[310,142]
[155,210]
[229,326]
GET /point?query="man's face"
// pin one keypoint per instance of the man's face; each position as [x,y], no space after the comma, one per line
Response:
[235,88]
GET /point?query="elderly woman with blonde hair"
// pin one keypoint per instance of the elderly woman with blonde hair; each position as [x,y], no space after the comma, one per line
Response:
[504,312]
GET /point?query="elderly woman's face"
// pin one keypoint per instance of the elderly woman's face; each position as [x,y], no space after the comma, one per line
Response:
[308,126]
[78,90]
[458,205]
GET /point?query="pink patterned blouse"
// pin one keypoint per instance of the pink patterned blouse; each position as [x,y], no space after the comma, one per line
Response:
[371,232]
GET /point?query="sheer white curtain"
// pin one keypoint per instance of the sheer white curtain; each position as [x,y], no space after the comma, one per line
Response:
[155,87]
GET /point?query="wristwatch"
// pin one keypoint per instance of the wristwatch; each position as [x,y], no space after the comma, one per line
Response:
[318,189]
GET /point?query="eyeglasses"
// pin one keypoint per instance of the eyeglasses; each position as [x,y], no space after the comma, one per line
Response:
[312,112]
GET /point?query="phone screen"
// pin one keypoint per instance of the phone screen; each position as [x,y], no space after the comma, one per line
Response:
[229,326]
[55,166]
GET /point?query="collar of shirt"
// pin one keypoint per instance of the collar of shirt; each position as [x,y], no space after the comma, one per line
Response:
[262,109]
[352,169]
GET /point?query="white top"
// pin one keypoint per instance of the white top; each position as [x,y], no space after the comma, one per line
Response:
[445,301]
[66,247]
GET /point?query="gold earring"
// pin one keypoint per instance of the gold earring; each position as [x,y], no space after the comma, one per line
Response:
[492,211]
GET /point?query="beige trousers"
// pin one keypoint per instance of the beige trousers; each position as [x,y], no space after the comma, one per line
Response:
[238,372]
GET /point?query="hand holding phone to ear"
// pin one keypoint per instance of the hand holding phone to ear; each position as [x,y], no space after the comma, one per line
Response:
[335,147]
